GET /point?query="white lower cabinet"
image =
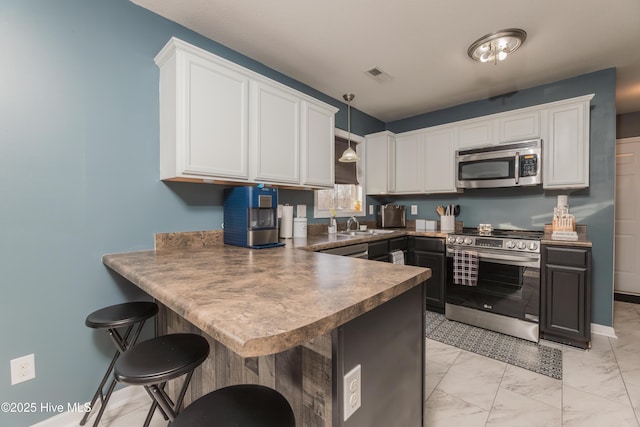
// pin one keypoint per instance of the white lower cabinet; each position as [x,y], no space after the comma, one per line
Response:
[222,122]
[566,146]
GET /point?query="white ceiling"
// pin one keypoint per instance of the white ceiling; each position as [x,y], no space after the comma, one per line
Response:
[422,45]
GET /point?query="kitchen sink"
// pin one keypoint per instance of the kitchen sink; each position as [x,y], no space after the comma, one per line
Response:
[365,232]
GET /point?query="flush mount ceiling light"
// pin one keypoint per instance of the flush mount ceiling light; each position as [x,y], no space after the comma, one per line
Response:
[349,155]
[497,46]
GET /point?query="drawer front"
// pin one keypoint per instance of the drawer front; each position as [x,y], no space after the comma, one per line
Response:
[429,244]
[398,243]
[574,257]
[378,249]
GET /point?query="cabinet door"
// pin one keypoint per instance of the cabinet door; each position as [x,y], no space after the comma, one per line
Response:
[318,145]
[517,127]
[380,152]
[566,148]
[566,295]
[474,133]
[408,165]
[435,288]
[438,161]
[211,108]
[276,135]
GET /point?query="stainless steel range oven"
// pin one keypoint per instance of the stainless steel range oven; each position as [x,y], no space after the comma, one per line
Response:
[504,295]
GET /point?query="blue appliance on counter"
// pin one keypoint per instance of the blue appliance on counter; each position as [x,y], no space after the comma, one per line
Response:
[251,217]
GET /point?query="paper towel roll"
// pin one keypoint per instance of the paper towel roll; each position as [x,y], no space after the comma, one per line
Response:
[286,222]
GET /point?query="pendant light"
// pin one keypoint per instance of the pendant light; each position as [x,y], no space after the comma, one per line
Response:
[349,155]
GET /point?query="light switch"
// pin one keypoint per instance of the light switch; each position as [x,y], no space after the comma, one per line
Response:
[370,209]
[414,209]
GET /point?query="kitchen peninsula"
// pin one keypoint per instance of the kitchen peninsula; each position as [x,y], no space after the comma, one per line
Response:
[297,321]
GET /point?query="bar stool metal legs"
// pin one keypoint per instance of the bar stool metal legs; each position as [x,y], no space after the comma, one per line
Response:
[131,316]
[153,363]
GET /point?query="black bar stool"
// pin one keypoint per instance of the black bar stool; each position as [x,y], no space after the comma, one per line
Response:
[154,362]
[246,405]
[126,315]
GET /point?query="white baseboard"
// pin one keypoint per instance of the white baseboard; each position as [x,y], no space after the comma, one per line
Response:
[607,331]
[119,398]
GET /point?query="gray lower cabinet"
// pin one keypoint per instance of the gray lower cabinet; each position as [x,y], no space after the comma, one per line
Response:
[430,252]
[379,251]
[388,344]
[565,309]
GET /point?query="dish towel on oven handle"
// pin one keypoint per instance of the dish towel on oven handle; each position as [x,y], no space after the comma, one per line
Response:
[396,257]
[465,267]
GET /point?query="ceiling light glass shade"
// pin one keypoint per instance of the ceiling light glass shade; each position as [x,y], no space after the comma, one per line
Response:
[349,155]
[497,46]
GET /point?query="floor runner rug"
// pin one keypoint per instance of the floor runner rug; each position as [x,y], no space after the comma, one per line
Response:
[515,351]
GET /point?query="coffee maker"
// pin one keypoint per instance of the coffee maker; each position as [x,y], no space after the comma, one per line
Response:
[251,217]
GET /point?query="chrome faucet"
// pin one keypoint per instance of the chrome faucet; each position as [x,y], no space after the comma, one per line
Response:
[350,221]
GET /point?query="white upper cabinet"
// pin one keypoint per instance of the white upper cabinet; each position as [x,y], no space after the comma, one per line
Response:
[475,133]
[204,110]
[439,174]
[566,145]
[518,126]
[222,122]
[380,162]
[318,148]
[423,160]
[408,163]
[276,134]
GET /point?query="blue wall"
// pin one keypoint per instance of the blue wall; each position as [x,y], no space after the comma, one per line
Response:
[79,168]
[532,208]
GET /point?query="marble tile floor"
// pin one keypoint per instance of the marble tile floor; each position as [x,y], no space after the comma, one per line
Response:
[600,387]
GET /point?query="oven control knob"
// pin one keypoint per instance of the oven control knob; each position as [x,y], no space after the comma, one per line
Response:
[533,246]
[522,245]
[451,239]
[459,240]
[510,244]
[467,240]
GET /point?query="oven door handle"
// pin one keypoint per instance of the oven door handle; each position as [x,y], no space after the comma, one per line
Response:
[524,261]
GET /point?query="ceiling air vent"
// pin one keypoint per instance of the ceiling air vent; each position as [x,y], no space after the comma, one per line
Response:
[378,74]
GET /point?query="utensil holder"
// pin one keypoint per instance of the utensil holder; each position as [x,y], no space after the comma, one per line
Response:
[447,223]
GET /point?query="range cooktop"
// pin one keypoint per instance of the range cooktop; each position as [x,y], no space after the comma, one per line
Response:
[496,239]
[503,234]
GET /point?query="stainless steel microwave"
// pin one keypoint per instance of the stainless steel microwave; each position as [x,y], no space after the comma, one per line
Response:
[504,165]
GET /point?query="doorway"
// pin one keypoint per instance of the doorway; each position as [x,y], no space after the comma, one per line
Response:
[627,218]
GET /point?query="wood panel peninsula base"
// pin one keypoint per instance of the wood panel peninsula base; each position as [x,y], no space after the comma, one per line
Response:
[296,321]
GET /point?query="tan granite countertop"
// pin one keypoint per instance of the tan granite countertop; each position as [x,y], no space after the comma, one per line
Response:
[263,301]
[581,230]
[582,241]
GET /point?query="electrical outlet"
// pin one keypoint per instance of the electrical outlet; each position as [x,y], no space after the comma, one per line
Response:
[414,209]
[23,369]
[370,209]
[352,396]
